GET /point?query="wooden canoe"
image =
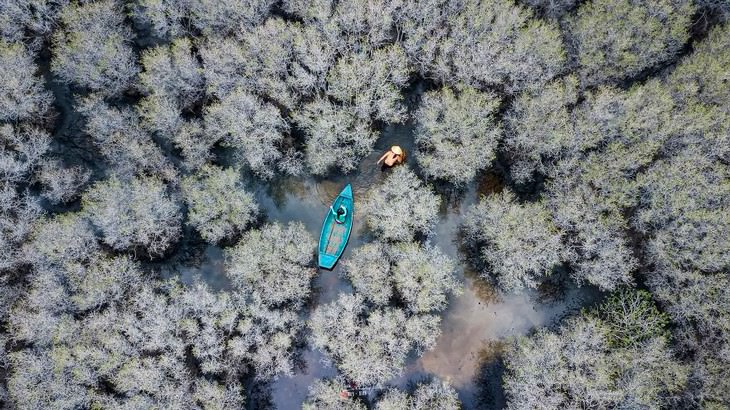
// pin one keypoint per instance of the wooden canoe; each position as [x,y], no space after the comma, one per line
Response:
[334,236]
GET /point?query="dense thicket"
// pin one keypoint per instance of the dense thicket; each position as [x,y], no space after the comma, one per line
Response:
[130,131]
[105,333]
[218,205]
[657,166]
[615,356]
[419,276]
[22,96]
[401,206]
[619,39]
[370,346]
[92,48]
[334,394]
[459,123]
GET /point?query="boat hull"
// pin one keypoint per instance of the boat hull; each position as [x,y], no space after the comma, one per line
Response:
[334,236]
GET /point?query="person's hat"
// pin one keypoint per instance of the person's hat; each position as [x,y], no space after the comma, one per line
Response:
[397,150]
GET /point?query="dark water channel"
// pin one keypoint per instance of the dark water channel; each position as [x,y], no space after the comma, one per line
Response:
[471,324]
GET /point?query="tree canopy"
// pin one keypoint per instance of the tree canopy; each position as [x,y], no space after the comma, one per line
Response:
[162,162]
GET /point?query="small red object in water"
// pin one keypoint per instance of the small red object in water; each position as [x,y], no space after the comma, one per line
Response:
[344,394]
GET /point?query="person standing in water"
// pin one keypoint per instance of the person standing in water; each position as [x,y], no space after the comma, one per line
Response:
[394,156]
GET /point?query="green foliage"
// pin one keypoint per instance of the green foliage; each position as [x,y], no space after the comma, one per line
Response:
[92,48]
[218,206]
[618,39]
[518,243]
[251,126]
[401,206]
[273,264]
[224,63]
[369,347]
[421,276]
[134,213]
[434,395]
[22,95]
[618,357]
[327,394]
[456,133]
[630,318]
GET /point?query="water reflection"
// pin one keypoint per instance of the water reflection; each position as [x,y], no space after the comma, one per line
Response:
[289,392]
[197,264]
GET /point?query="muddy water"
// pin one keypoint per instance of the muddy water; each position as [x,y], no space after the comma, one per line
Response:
[470,325]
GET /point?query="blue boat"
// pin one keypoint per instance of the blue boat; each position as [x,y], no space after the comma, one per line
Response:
[336,229]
